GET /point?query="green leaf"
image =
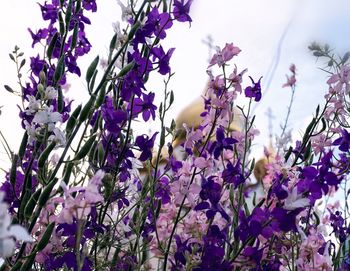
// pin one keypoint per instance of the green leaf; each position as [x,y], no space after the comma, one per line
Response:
[73,120]
[61,23]
[87,109]
[46,237]
[60,102]
[90,71]
[74,36]
[45,195]
[133,30]
[45,154]
[29,208]
[52,45]
[85,149]
[126,69]
[59,69]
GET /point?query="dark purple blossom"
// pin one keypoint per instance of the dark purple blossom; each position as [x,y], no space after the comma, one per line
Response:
[211,191]
[257,223]
[343,142]
[213,251]
[163,59]
[146,145]
[40,34]
[49,12]
[253,91]
[90,5]
[132,84]
[181,249]
[163,190]
[254,253]
[233,174]
[145,106]
[221,143]
[36,65]
[112,117]
[181,10]
[338,224]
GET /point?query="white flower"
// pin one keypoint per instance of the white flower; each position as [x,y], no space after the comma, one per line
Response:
[33,106]
[31,131]
[295,200]
[9,233]
[58,137]
[47,116]
[50,93]
[126,11]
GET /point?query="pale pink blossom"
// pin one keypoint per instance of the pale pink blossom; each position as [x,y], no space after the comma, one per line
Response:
[224,55]
[320,142]
[236,79]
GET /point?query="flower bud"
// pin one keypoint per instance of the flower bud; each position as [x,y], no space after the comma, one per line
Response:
[72,120]
[42,76]
[87,108]
[46,193]
[45,154]
[28,209]
[40,89]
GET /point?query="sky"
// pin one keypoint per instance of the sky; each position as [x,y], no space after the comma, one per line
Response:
[253,25]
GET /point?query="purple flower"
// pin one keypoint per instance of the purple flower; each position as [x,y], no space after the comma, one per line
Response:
[146,145]
[132,84]
[255,224]
[315,181]
[41,34]
[181,248]
[254,253]
[71,63]
[338,225]
[161,22]
[254,91]
[49,12]
[181,10]
[145,106]
[83,45]
[112,117]
[213,251]
[156,24]
[90,5]
[221,143]
[163,59]
[343,142]
[211,191]
[163,190]
[233,174]
[36,65]
[286,219]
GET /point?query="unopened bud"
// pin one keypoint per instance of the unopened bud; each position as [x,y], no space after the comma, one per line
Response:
[40,88]
[42,76]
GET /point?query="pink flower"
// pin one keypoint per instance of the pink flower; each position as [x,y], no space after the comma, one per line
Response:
[79,207]
[224,55]
[236,79]
[319,143]
[340,80]
[291,80]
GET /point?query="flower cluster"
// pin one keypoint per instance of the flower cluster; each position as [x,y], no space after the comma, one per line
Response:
[86,191]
